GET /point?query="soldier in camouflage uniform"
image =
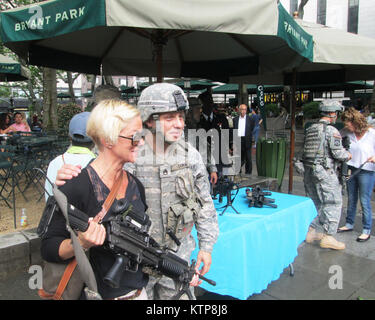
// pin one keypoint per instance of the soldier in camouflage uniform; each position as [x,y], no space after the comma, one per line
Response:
[176,183]
[322,153]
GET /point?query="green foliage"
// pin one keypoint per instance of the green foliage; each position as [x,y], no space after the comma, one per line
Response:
[65,112]
[272,110]
[311,110]
[5,92]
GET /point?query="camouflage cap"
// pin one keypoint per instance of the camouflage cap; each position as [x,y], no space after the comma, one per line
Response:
[161,98]
[331,106]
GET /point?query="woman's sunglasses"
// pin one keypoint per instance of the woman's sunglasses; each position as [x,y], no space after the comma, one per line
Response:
[136,138]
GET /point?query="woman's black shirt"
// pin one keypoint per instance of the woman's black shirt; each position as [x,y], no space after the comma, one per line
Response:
[87,192]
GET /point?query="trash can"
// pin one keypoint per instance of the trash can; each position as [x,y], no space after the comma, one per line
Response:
[271,158]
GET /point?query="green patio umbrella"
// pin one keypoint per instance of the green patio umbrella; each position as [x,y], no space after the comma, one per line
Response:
[233,88]
[63,95]
[126,89]
[11,70]
[211,39]
[195,84]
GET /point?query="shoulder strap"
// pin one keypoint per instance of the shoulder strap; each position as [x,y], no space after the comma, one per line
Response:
[111,197]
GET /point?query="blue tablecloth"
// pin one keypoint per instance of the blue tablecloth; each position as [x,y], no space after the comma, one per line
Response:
[255,246]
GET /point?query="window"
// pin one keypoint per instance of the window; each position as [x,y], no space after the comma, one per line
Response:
[322,12]
[353,16]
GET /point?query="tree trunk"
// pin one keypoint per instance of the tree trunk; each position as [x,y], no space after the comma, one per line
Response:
[93,82]
[49,99]
[70,84]
[108,80]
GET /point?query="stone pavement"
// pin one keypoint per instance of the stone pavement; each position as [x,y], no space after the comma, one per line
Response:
[316,271]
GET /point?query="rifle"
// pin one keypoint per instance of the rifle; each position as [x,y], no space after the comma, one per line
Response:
[344,171]
[224,187]
[257,198]
[127,237]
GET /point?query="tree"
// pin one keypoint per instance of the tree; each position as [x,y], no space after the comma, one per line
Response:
[69,79]
[49,99]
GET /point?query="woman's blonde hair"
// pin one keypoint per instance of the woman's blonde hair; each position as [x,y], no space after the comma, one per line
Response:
[107,120]
[357,119]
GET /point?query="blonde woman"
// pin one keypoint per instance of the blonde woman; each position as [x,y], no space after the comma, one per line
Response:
[116,128]
[362,148]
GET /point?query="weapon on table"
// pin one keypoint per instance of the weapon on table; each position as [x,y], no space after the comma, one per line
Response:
[127,237]
[223,188]
[257,198]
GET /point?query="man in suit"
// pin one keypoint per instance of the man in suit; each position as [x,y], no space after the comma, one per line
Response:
[245,125]
[212,118]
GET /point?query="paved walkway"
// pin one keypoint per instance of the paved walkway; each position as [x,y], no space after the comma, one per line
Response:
[319,274]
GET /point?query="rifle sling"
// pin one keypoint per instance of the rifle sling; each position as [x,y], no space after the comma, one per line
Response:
[81,258]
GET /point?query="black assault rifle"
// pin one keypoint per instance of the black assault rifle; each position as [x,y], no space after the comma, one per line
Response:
[257,198]
[223,188]
[344,171]
[127,237]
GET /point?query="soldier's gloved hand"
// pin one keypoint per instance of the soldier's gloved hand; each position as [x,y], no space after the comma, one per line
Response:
[67,172]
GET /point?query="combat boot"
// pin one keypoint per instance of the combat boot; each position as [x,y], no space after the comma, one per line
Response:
[313,235]
[331,243]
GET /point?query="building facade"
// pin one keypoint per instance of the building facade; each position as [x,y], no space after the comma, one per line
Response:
[356,16]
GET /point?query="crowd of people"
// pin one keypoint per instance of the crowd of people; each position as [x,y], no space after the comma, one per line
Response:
[17,122]
[162,174]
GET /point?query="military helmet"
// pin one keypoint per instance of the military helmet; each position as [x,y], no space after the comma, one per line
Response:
[161,98]
[327,106]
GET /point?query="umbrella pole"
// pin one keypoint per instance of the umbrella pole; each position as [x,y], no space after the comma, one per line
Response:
[159,56]
[292,130]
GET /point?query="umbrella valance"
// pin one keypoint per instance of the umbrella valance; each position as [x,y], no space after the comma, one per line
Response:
[11,70]
[209,39]
[338,57]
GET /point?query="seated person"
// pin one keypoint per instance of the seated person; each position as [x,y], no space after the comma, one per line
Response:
[19,124]
[78,154]
[4,122]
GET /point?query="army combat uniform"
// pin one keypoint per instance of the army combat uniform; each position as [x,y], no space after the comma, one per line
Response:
[177,195]
[322,153]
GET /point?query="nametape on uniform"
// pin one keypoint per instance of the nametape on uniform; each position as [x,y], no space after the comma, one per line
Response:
[179,166]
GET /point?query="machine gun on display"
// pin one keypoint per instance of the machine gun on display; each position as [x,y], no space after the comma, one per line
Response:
[127,237]
[257,198]
[223,188]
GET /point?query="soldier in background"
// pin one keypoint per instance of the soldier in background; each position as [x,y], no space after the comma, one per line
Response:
[322,153]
